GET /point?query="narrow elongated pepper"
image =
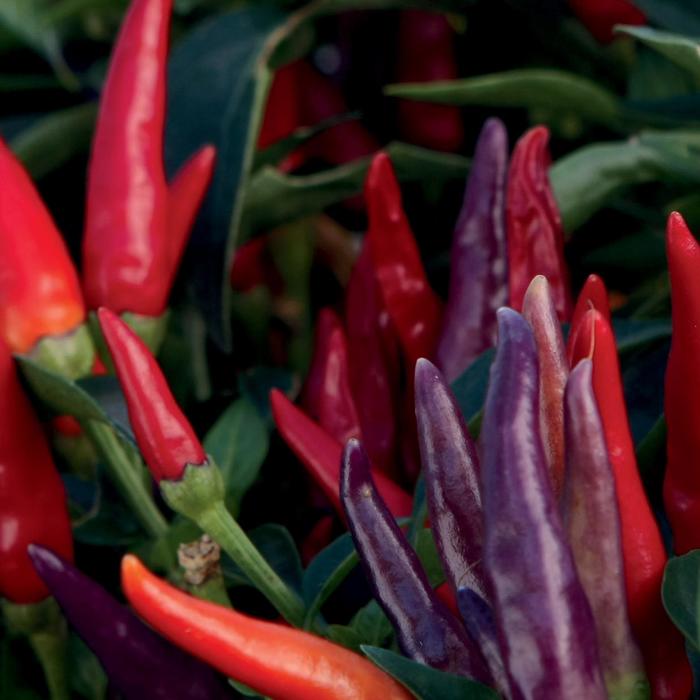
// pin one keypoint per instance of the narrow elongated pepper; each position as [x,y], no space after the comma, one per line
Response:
[592,522]
[451,468]
[536,595]
[593,295]
[533,224]
[426,630]
[273,659]
[644,554]
[539,312]
[138,662]
[478,260]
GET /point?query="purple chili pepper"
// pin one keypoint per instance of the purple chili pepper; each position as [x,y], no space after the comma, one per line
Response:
[138,662]
[426,630]
[592,521]
[451,468]
[545,626]
[479,268]
[540,313]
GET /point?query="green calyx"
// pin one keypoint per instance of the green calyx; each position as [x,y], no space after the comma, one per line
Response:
[631,686]
[71,355]
[200,487]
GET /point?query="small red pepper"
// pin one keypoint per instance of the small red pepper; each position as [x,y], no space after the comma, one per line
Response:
[643,550]
[426,53]
[32,499]
[273,659]
[413,306]
[593,295]
[321,455]
[533,224]
[132,242]
[601,16]
[39,287]
[164,435]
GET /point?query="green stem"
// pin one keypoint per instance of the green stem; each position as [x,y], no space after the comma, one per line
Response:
[50,649]
[128,477]
[218,522]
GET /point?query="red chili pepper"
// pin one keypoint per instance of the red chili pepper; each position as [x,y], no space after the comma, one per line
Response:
[413,306]
[273,659]
[682,402]
[643,550]
[132,242]
[164,435]
[593,295]
[39,288]
[533,224]
[32,499]
[426,53]
[321,455]
[328,398]
[601,16]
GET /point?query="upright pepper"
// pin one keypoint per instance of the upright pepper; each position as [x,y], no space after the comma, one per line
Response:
[273,659]
[132,242]
[601,16]
[478,260]
[533,223]
[593,295]
[537,597]
[39,288]
[426,630]
[138,662]
[426,53]
[644,555]
[592,522]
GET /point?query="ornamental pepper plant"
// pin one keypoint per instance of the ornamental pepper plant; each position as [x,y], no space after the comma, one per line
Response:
[349,350]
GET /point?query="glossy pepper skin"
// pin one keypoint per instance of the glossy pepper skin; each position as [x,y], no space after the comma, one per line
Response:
[413,306]
[592,521]
[427,632]
[425,54]
[132,242]
[164,435]
[321,455]
[593,295]
[478,260]
[533,224]
[601,16]
[39,288]
[682,407]
[644,555]
[138,662]
[32,498]
[273,659]
[451,468]
[536,595]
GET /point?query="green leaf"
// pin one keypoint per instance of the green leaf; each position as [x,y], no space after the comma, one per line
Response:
[682,50]
[371,624]
[533,88]
[470,387]
[426,683]
[631,333]
[85,672]
[55,139]
[429,557]
[675,15]
[239,442]
[681,594]
[257,383]
[345,636]
[274,197]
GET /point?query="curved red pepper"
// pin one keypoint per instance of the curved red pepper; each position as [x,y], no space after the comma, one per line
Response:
[273,659]
[321,455]
[413,306]
[39,288]
[643,550]
[32,498]
[593,295]
[533,224]
[164,435]
[426,53]
[601,16]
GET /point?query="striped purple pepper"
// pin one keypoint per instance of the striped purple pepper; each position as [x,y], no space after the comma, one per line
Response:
[592,521]
[426,630]
[478,263]
[138,663]
[545,625]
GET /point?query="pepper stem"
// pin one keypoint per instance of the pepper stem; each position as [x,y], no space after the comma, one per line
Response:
[45,629]
[128,475]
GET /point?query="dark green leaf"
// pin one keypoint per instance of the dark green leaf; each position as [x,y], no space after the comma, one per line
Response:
[238,441]
[470,388]
[371,624]
[631,333]
[257,383]
[426,683]
[429,557]
[345,636]
[681,594]
[675,15]
[107,392]
[85,672]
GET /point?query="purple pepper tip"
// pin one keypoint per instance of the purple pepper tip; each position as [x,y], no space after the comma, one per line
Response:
[354,468]
[426,373]
[44,560]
